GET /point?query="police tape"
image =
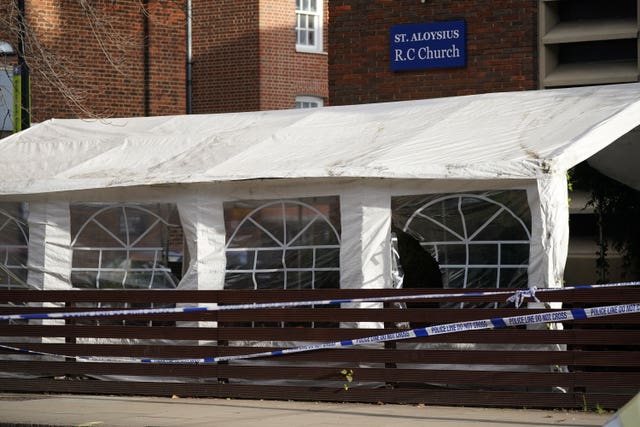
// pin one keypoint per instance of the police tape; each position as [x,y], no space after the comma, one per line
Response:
[515,296]
[475,325]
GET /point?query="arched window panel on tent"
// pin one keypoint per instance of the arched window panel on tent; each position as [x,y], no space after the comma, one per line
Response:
[283,244]
[14,241]
[125,246]
[478,239]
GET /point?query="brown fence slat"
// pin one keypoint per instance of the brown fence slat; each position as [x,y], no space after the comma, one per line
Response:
[502,336]
[600,366]
[432,316]
[398,377]
[352,355]
[601,296]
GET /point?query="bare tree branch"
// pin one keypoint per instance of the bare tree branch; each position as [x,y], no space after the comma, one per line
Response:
[56,72]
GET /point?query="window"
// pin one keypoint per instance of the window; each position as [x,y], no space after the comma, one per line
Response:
[308,102]
[14,237]
[309,25]
[14,240]
[478,239]
[283,244]
[6,88]
[6,99]
[124,246]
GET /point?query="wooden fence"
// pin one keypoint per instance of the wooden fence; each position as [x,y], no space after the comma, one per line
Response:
[587,364]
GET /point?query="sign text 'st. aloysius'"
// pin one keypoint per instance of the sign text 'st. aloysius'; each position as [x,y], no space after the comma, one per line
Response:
[433,45]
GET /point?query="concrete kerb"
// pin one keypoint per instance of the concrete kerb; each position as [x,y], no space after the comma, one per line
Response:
[90,410]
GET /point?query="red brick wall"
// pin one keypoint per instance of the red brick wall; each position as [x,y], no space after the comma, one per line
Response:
[167,57]
[245,57]
[112,84]
[225,54]
[7,30]
[501,49]
[285,73]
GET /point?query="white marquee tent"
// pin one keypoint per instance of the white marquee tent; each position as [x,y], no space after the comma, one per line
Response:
[352,166]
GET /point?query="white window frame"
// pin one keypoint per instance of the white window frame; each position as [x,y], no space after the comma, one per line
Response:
[129,246]
[7,250]
[305,101]
[470,237]
[283,246]
[303,15]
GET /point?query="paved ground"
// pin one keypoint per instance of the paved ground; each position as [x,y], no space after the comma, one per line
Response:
[102,411]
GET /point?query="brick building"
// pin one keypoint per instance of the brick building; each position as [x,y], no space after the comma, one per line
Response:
[501,49]
[510,45]
[272,54]
[109,58]
[255,55]
[114,59]
[91,59]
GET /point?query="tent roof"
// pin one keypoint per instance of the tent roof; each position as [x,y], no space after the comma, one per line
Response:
[489,136]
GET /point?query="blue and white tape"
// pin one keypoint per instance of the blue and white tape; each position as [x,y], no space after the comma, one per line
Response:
[493,323]
[516,296]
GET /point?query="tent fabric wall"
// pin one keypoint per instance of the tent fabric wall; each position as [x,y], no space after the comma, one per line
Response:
[202,219]
[365,154]
[619,160]
[551,240]
[365,216]
[49,245]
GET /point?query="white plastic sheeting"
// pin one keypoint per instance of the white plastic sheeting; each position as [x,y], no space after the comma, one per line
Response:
[516,140]
[490,136]
[365,155]
[620,160]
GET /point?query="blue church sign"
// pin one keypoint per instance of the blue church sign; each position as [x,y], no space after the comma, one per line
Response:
[433,45]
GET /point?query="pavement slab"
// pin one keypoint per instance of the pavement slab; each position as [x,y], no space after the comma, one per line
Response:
[18,410]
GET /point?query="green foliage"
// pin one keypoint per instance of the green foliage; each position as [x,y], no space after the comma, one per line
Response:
[617,208]
[348,376]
